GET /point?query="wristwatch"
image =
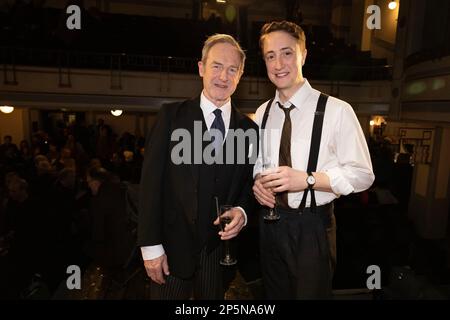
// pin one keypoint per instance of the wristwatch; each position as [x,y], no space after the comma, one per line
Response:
[310,180]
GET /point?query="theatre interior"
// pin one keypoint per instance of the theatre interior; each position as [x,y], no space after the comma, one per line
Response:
[74,96]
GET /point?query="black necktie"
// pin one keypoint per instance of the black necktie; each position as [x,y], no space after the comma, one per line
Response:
[284,158]
[218,124]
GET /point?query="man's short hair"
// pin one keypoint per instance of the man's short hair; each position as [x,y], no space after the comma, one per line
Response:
[222,38]
[99,174]
[39,158]
[67,177]
[44,167]
[289,27]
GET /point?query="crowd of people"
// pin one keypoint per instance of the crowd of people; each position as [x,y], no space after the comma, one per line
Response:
[63,197]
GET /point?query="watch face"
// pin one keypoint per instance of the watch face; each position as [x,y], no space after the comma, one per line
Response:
[311,180]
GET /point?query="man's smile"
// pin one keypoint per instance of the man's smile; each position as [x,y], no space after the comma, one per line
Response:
[280,75]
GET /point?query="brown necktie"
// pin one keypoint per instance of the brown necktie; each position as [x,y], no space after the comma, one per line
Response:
[284,158]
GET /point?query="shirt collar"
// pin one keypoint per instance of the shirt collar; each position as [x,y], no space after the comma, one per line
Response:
[298,98]
[208,107]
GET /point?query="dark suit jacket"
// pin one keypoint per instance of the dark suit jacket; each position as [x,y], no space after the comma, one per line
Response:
[170,195]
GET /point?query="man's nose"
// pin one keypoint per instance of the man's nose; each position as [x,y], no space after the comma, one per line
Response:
[223,76]
[278,63]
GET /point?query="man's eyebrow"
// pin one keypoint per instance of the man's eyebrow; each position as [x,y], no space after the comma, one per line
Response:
[221,64]
[282,49]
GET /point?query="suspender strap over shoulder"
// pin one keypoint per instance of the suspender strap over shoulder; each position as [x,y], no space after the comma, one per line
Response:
[317,133]
[263,126]
[266,114]
[314,149]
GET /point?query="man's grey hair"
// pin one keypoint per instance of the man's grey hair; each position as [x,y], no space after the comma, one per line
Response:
[222,38]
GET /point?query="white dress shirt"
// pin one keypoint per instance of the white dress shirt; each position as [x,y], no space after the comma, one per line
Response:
[208,108]
[343,154]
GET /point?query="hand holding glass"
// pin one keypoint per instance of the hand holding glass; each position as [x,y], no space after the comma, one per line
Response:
[268,169]
[225,218]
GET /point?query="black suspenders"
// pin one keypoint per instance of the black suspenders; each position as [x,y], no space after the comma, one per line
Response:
[315,144]
[314,149]
[266,114]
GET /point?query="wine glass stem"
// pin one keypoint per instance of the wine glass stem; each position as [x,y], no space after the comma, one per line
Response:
[227,250]
[272,210]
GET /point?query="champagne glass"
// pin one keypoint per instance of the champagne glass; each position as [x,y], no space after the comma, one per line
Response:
[225,218]
[268,169]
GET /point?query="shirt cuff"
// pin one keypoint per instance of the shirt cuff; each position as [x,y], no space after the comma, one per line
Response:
[256,172]
[152,252]
[245,215]
[338,183]
[257,168]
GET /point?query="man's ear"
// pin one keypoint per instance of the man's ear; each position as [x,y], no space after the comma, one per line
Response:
[201,70]
[241,72]
[305,53]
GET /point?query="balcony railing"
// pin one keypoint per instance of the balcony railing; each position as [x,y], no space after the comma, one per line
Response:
[427,55]
[142,62]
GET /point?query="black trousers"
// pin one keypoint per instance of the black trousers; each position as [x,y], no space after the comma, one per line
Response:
[206,283]
[298,253]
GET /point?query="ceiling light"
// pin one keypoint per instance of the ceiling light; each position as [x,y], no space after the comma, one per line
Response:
[116,112]
[392,5]
[6,109]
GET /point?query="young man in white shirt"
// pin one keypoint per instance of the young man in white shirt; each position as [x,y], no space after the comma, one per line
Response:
[298,251]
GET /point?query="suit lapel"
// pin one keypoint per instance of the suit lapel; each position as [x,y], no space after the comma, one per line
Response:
[233,120]
[194,114]
[233,126]
[233,170]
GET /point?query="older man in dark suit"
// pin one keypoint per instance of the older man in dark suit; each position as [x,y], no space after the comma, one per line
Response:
[179,186]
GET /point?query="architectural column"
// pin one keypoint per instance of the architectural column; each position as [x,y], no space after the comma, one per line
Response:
[137,124]
[405,21]
[90,118]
